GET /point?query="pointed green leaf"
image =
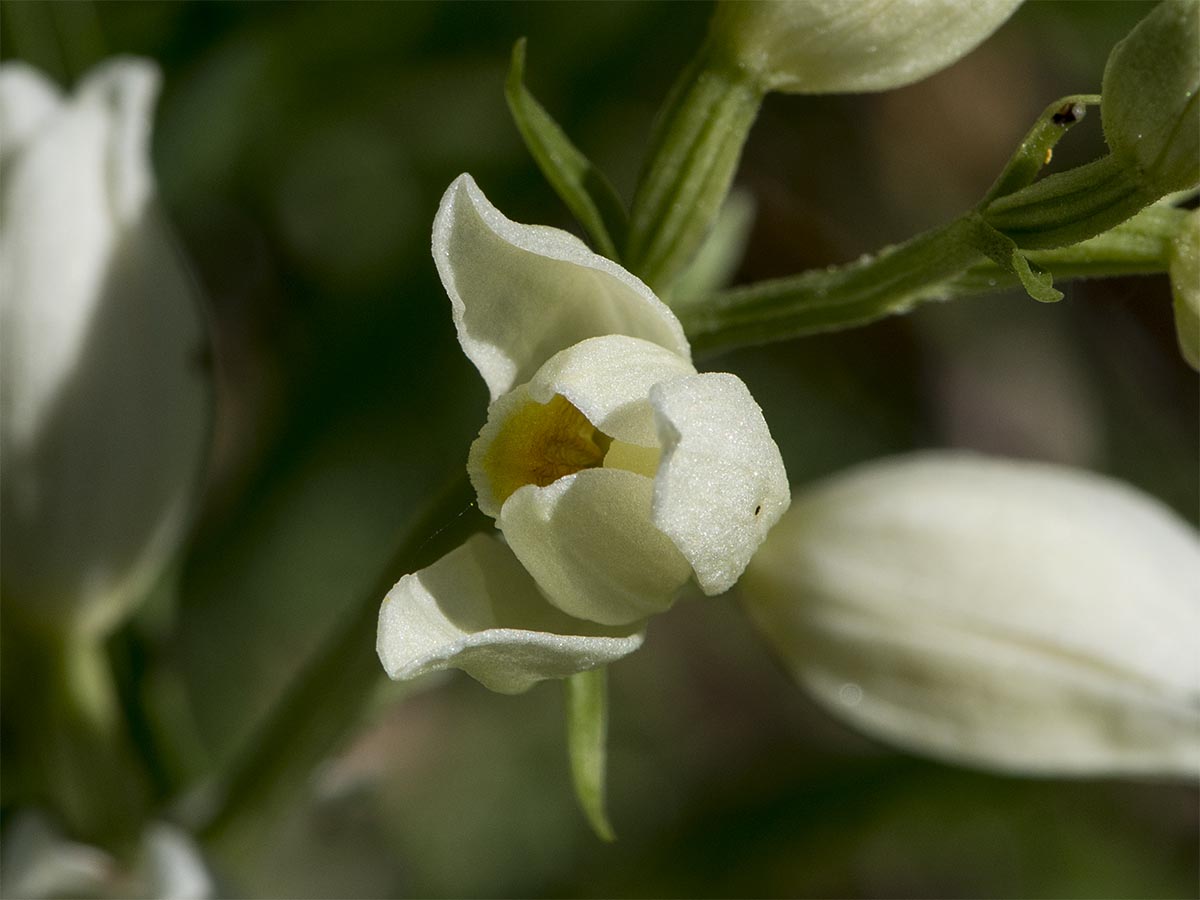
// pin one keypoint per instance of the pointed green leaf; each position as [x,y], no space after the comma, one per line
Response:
[587,734]
[578,183]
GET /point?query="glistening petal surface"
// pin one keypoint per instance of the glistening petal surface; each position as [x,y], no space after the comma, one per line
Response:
[520,293]
[477,609]
[721,483]
[588,541]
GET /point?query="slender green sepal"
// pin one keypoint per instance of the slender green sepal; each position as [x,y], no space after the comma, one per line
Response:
[578,183]
[1038,146]
[587,737]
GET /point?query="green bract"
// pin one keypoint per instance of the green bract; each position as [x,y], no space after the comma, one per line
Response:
[1149,106]
[849,46]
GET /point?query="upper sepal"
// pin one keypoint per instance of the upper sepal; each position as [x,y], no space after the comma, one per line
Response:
[520,293]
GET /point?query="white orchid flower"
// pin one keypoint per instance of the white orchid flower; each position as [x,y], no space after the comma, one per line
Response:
[105,407]
[614,471]
[1011,615]
[850,46]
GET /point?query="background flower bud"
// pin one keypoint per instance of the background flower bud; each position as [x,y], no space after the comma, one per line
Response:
[1011,615]
[104,398]
[1149,97]
[848,46]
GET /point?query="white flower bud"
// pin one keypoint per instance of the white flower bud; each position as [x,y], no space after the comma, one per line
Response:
[850,46]
[1010,615]
[104,402]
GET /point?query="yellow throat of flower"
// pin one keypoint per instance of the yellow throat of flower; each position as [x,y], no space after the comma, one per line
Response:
[540,443]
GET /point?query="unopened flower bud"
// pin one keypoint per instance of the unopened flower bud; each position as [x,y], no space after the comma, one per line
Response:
[1011,615]
[104,398]
[850,46]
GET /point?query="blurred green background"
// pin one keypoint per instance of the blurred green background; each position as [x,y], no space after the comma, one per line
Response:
[301,150]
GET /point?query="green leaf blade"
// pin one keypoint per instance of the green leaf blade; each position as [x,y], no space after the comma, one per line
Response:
[579,184]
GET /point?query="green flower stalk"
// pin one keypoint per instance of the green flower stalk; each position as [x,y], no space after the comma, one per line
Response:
[795,46]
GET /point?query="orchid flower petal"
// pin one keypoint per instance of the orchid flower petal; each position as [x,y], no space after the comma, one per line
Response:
[588,541]
[721,483]
[478,610]
[520,293]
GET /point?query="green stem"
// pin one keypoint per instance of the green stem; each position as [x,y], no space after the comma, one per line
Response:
[690,167]
[938,265]
[74,748]
[1071,206]
[328,697]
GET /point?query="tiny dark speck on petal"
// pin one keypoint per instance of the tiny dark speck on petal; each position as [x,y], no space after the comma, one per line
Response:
[758,509]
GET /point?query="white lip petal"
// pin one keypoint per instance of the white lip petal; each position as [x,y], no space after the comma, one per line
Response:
[1005,614]
[721,483]
[520,293]
[588,541]
[477,609]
